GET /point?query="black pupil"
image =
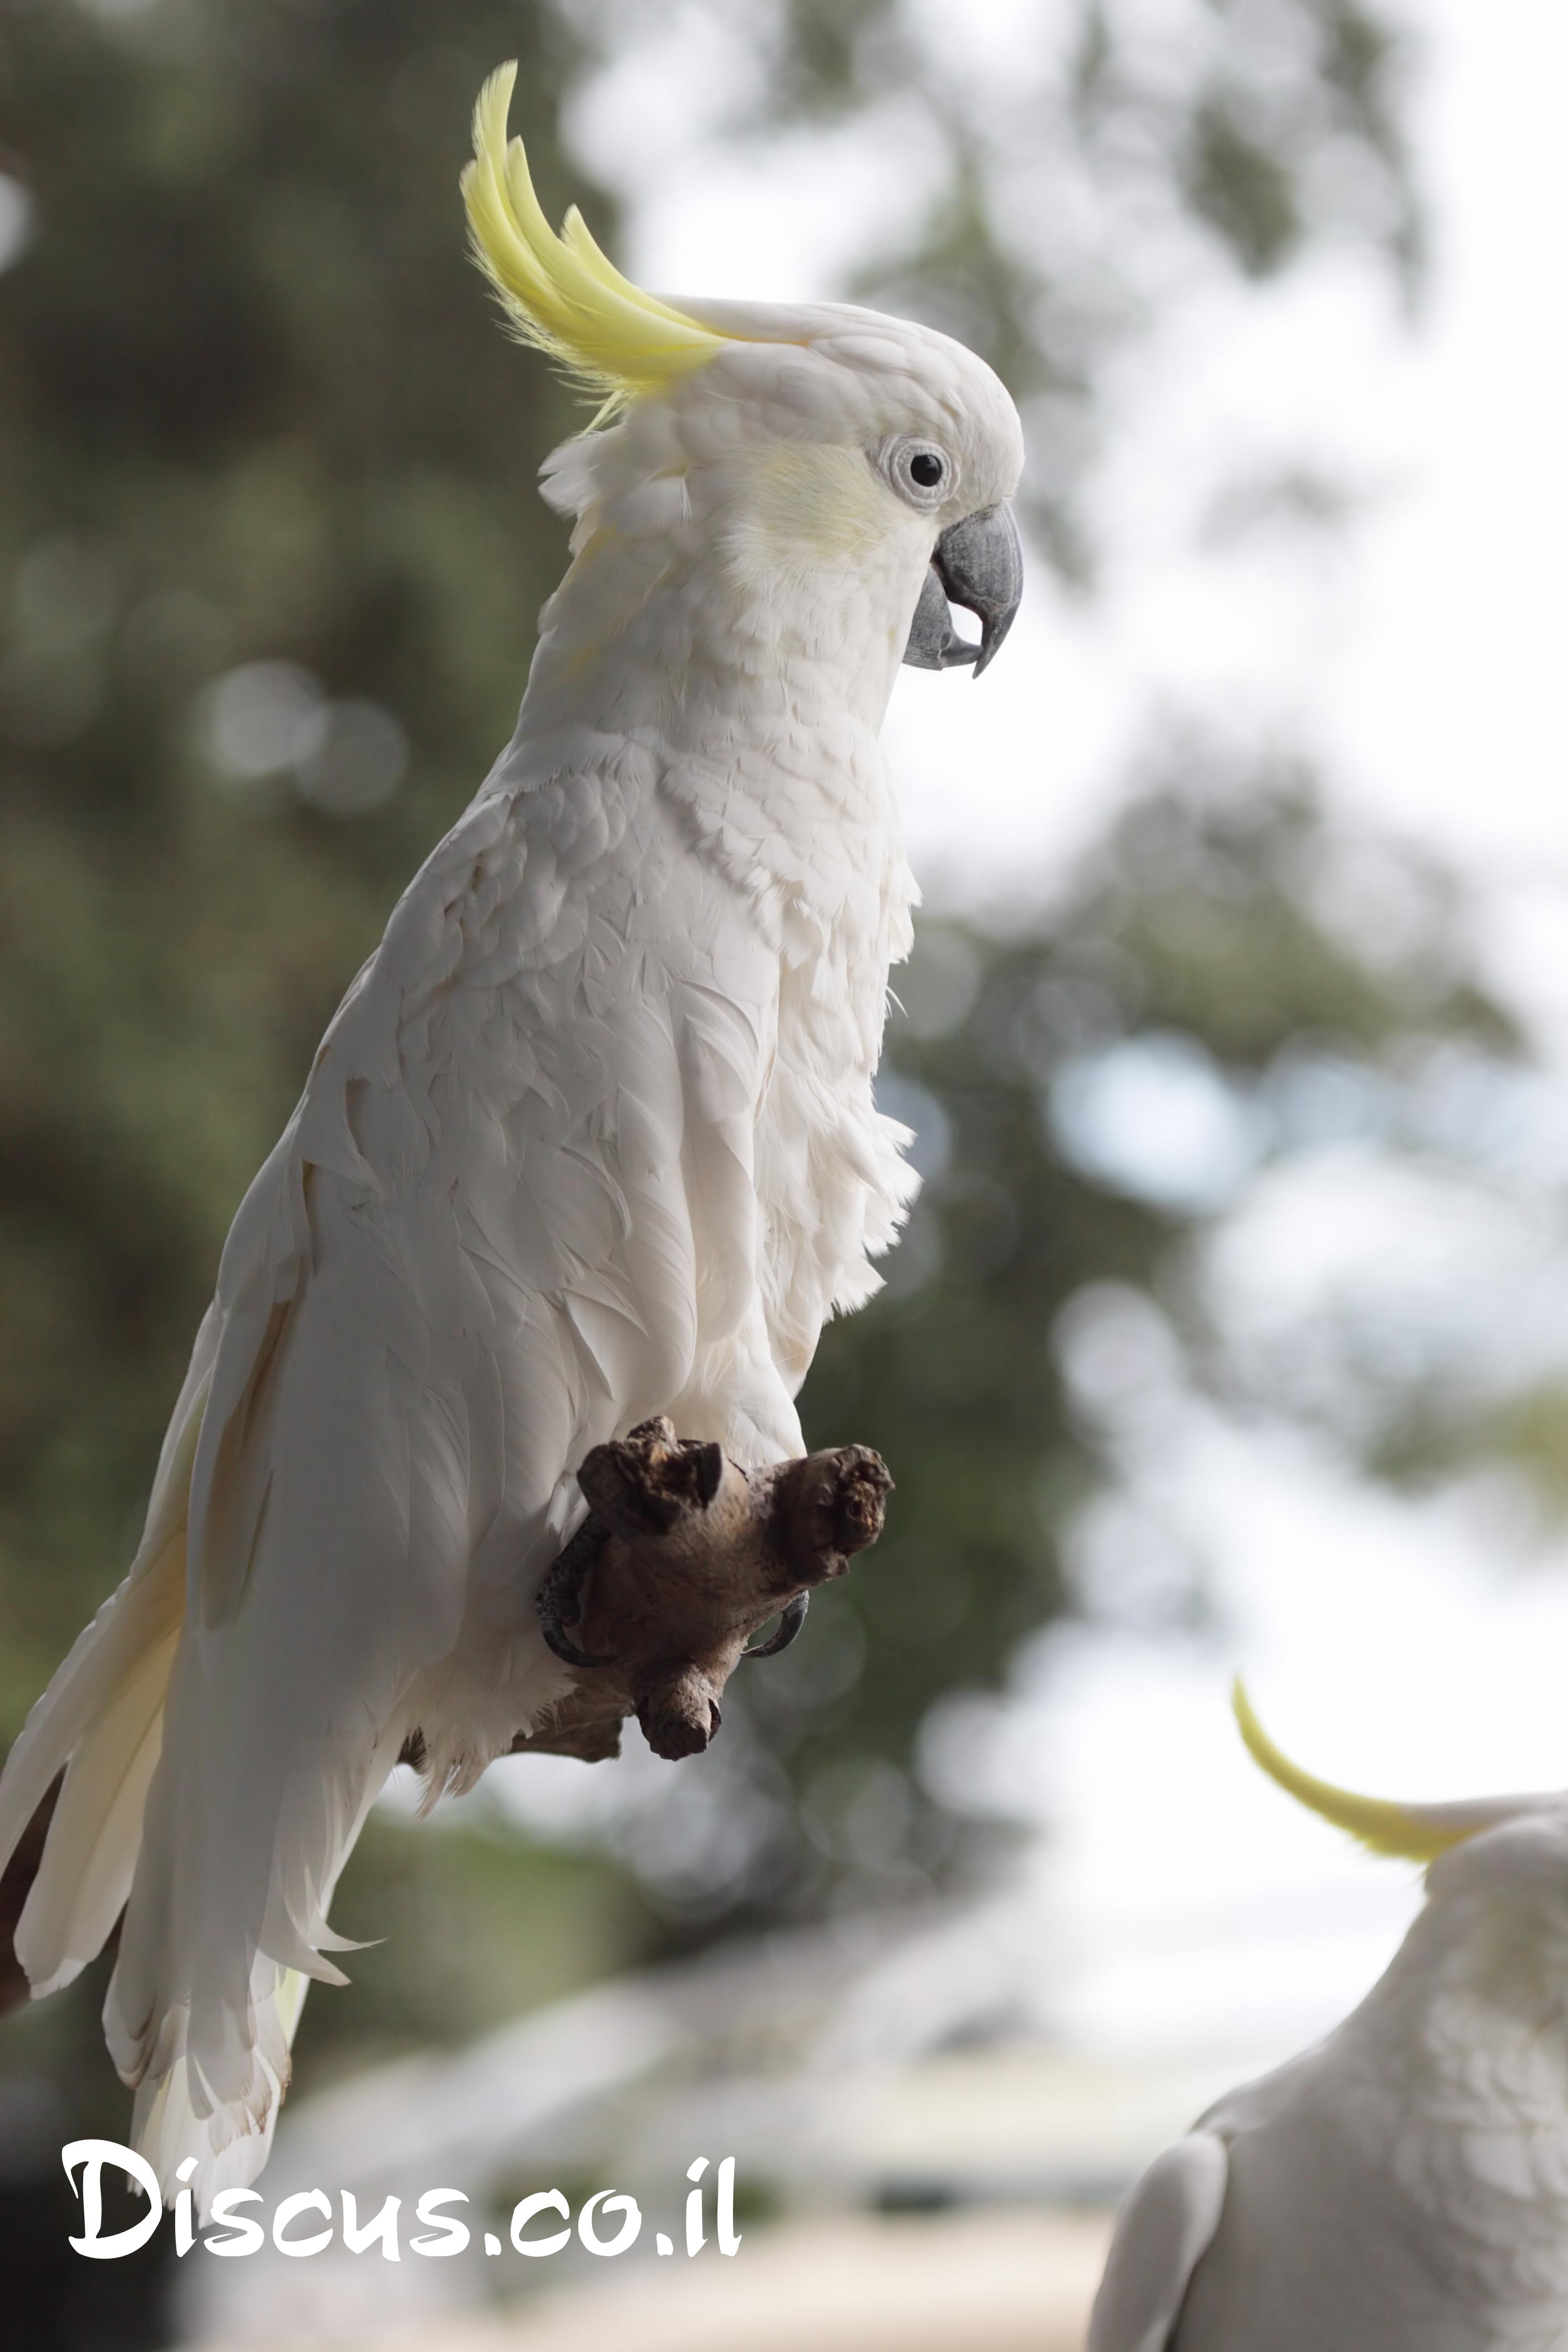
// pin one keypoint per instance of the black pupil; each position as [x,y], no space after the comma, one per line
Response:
[926,470]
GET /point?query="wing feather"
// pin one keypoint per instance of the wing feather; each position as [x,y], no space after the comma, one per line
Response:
[508,1218]
[101,1722]
[517,1210]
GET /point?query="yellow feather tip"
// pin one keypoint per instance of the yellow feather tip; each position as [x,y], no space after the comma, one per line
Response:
[1409,1833]
[562,293]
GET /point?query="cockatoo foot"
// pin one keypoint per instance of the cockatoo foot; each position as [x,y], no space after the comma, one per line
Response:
[683,1557]
[560,1599]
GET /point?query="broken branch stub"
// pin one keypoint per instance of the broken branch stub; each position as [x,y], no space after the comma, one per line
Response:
[683,1557]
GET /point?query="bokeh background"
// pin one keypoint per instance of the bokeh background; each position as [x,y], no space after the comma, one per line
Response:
[1232,1327]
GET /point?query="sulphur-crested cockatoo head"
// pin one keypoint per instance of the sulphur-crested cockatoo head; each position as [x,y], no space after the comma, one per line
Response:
[1403,2183]
[835,476]
[1430,1833]
[1473,1848]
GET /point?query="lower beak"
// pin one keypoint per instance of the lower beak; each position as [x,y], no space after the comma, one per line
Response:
[978,563]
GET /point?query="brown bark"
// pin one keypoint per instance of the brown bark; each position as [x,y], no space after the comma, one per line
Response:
[682,1559]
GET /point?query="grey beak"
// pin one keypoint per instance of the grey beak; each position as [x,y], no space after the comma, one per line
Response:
[978,563]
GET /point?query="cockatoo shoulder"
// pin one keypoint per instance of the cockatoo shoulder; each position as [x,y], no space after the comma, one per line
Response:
[1167,2223]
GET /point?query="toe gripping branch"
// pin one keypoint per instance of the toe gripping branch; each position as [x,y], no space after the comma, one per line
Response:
[683,1557]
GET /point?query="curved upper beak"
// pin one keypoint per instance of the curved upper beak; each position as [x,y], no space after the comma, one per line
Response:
[978,563]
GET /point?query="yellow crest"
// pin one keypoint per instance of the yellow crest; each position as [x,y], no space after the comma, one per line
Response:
[562,293]
[1409,1833]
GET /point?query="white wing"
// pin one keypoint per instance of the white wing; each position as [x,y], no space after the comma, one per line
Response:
[514,1210]
[102,1714]
[1168,2221]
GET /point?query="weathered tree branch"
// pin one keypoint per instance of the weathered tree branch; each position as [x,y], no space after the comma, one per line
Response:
[682,1559]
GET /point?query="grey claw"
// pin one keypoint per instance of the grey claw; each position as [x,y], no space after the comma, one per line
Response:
[568,1651]
[790,1624]
[560,1598]
[709,1465]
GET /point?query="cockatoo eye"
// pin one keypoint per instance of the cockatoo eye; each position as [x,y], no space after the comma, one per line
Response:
[918,470]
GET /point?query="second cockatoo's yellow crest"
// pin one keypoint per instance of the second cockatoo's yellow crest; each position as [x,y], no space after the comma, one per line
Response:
[1408,1832]
[560,292]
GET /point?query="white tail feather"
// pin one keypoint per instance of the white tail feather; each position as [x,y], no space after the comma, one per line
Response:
[96,1830]
[176,2112]
[171,2121]
[81,1710]
[100,1720]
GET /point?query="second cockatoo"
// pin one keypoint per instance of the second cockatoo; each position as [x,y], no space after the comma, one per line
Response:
[592,1138]
[1403,2185]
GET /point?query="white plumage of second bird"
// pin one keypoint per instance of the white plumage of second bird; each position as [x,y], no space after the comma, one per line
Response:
[592,1137]
[1403,2185]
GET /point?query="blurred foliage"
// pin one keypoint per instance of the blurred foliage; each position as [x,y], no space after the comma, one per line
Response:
[55,2086]
[463,1929]
[1084,175]
[268,474]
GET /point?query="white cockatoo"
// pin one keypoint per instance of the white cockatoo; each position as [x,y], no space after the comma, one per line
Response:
[592,1138]
[1403,2185]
